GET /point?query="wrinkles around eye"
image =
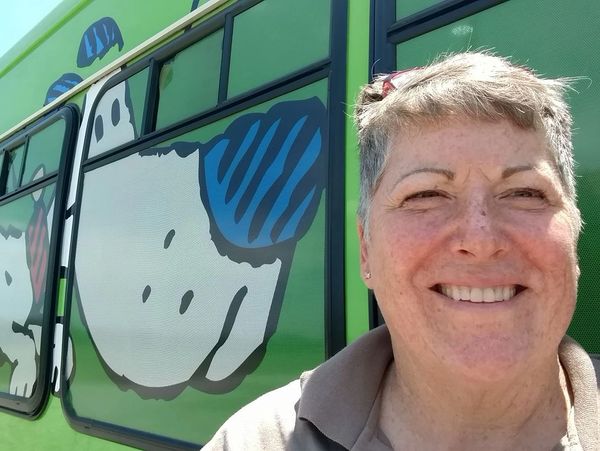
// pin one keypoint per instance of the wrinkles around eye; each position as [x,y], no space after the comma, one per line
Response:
[423,198]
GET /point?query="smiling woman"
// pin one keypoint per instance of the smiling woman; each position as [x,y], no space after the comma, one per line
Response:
[468,232]
[468,229]
[473,236]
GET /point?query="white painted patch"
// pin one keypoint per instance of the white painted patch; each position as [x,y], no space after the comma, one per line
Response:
[128,208]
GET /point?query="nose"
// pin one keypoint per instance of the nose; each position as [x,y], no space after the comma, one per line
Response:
[478,232]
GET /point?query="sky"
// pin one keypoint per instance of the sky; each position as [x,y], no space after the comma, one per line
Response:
[17,17]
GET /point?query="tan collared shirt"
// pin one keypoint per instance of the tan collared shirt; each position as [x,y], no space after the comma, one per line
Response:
[334,407]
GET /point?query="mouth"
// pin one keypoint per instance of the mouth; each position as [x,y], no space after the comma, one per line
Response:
[478,295]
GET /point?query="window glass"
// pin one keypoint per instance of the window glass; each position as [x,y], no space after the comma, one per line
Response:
[137,85]
[564,43]
[25,225]
[406,8]
[117,120]
[193,258]
[15,165]
[277,37]
[44,151]
[189,82]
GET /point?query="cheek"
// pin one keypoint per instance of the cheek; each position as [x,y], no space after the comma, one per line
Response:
[400,250]
[552,245]
[551,252]
[400,245]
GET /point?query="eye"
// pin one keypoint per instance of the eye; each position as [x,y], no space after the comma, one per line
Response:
[99,128]
[115,113]
[423,195]
[524,193]
[423,200]
[528,198]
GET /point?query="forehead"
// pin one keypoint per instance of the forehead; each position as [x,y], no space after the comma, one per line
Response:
[458,142]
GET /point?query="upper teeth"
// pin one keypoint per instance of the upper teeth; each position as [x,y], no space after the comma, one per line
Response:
[472,294]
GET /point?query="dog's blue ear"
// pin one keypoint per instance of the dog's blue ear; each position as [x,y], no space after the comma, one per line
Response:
[60,86]
[262,178]
[97,40]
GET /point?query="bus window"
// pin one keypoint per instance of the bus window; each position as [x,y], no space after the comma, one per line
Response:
[44,150]
[405,8]
[189,82]
[13,167]
[272,39]
[200,249]
[547,46]
[29,249]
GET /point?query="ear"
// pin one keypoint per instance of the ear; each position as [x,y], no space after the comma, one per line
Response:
[365,267]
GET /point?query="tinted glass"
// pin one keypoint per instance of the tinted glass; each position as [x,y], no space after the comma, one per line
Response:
[277,37]
[407,7]
[43,152]
[137,93]
[189,82]
[560,42]
[15,166]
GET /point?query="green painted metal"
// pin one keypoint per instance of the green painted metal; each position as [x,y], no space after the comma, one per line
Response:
[51,431]
[357,319]
[25,80]
[40,33]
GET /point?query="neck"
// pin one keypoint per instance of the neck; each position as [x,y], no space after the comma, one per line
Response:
[422,406]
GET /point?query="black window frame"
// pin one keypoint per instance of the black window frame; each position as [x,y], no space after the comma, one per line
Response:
[31,408]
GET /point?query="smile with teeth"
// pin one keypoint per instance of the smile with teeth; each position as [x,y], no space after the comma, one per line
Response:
[478,294]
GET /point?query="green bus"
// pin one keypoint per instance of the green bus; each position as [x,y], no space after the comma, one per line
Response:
[178,187]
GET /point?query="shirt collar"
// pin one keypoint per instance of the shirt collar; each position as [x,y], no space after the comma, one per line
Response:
[337,397]
[580,370]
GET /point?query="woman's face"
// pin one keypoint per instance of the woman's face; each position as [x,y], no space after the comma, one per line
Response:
[471,248]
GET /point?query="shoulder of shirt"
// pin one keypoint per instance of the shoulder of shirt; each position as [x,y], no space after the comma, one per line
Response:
[265,423]
[596,362]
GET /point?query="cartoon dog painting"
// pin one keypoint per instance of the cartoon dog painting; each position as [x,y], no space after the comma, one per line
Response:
[183,250]
[15,290]
[23,266]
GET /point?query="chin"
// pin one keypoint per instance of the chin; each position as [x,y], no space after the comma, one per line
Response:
[490,359]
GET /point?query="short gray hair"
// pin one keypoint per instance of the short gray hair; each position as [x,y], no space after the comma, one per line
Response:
[475,85]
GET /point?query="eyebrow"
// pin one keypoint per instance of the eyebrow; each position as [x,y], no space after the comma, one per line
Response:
[445,172]
[508,172]
[516,169]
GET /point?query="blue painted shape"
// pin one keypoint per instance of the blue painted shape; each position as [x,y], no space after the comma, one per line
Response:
[97,40]
[284,198]
[246,177]
[291,226]
[262,178]
[99,45]
[62,85]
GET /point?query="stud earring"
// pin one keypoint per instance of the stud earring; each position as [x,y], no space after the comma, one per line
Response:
[367,275]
